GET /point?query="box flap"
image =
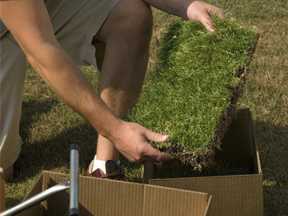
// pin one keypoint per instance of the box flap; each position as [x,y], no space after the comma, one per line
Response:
[232,195]
[117,198]
[170,202]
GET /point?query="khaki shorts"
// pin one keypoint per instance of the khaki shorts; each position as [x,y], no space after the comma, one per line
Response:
[75,23]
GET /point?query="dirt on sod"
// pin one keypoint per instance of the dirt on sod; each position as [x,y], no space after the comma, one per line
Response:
[193,91]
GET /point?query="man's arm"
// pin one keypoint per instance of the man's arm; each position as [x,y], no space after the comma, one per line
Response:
[189,9]
[29,22]
[33,31]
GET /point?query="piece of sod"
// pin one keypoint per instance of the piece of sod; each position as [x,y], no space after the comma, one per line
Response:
[190,94]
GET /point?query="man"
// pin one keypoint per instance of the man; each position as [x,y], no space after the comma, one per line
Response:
[55,36]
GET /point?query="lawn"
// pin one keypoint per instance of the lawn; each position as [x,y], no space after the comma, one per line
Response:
[48,126]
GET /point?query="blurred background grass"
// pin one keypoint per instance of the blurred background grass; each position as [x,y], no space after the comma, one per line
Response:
[48,126]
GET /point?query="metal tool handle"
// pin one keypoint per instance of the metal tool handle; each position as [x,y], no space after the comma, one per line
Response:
[35,200]
[74,181]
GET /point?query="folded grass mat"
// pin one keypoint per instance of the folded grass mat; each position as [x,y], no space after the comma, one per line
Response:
[193,90]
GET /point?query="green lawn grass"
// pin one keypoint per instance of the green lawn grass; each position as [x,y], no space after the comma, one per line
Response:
[48,126]
[195,83]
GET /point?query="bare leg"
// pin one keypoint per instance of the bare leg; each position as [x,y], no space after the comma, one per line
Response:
[127,34]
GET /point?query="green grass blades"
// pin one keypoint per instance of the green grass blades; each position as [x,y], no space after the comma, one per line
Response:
[192,86]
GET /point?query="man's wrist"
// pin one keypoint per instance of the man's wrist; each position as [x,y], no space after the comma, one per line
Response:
[112,129]
[99,115]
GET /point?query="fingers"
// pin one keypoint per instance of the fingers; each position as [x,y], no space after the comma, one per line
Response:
[155,137]
[207,22]
[154,154]
[206,19]
[212,10]
[202,12]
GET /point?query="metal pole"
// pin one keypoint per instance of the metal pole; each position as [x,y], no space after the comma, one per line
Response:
[74,179]
[36,199]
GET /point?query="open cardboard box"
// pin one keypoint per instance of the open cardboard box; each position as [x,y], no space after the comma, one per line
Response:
[102,197]
[229,195]
[233,195]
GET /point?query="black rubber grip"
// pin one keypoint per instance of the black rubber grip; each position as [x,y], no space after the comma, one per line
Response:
[74,212]
[74,147]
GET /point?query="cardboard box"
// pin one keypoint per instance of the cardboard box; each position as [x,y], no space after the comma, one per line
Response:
[102,197]
[233,195]
[229,195]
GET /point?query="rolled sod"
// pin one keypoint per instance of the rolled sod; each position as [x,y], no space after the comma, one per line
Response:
[192,93]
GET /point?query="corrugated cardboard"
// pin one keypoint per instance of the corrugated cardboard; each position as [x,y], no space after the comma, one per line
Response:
[234,195]
[102,197]
[1,190]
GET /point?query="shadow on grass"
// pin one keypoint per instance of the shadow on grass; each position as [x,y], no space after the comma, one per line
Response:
[273,144]
[53,152]
[31,111]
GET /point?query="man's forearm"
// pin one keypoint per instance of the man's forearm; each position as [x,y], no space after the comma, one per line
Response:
[175,7]
[68,82]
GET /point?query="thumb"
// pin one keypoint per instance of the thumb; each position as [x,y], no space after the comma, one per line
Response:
[155,137]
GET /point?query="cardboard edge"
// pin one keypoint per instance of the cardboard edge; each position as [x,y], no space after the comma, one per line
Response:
[47,175]
[199,177]
[2,191]
[259,166]
[254,146]
[208,205]
[257,159]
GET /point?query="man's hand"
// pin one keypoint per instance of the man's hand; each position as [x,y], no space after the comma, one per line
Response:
[133,141]
[201,12]
[189,9]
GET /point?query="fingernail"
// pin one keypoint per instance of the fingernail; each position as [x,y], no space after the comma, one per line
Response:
[211,29]
[165,137]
